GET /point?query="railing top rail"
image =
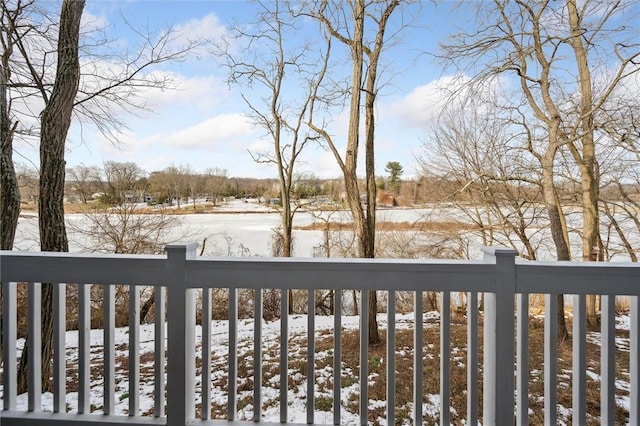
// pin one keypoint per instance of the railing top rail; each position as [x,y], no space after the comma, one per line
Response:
[82,268]
[367,274]
[586,267]
[578,278]
[7,254]
[347,273]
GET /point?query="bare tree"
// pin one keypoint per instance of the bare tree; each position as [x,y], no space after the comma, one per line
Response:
[10,193]
[215,177]
[120,182]
[88,92]
[538,44]
[281,114]
[9,190]
[110,80]
[619,204]
[115,225]
[55,122]
[494,181]
[176,179]
[83,180]
[349,24]
[195,183]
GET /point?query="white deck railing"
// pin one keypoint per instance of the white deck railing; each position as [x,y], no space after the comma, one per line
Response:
[506,285]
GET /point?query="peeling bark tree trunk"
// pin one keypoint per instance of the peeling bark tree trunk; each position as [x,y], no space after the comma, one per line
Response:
[55,122]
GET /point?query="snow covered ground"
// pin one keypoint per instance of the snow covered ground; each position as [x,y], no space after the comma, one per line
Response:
[270,390]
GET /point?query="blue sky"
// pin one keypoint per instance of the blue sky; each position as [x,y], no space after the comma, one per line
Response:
[203,124]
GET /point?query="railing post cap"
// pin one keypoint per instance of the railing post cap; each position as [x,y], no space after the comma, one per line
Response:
[499,251]
[182,246]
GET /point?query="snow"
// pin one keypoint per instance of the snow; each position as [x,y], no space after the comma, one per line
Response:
[270,360]
[240,228]
[220,348]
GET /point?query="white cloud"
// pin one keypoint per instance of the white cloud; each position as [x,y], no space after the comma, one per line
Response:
[221,131]
[90,22]
[324,165]
[260,145]
[202,92]
[181,95]
[208,27]
[424,103]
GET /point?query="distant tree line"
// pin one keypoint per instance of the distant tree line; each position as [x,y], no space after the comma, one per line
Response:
[113,182]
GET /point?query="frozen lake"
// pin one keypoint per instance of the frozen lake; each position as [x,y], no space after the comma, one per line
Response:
[246,228]
[239,229]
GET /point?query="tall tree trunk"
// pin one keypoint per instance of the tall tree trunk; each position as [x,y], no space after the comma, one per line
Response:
[354,296]
[363,221]
[55,122]
[364,224]
[558,231]
[590,231]
[586,157]
[370,221]
[9,189]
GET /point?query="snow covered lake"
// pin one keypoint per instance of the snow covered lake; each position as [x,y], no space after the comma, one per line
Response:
[238,228]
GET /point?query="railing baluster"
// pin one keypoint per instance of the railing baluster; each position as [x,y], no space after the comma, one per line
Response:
[445,358]
[284,354]
[233,354]
[337,357]
[608,360]
[311,362]
[257,356]
[34,369]
[134,345]
[391,357]
[579,391]
[59,348]
[159,310]
[418,361]
[634,361]
[205,405]
[109,326]
[522,367]
[550,359]
[9,333]
[472,358]
[84,348]
[364,357]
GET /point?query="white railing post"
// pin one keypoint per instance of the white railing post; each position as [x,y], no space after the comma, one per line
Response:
[499,328]
[180,336]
